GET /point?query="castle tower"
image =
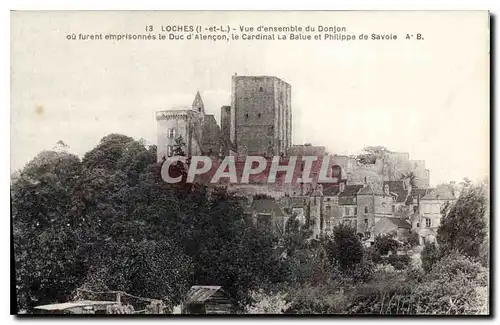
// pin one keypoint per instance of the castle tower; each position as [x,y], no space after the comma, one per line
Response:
[261,115]
[184,121]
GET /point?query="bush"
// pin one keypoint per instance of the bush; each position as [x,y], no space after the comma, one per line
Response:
[430,255]
[320,299]
[349,250]
[457,267]
[373,255]
[385,244]
[268,303]
[363,271]
[413,239]
[399,262]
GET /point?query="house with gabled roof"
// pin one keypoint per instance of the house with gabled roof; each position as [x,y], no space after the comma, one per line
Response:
[428,220]
[208,299]
[267,213]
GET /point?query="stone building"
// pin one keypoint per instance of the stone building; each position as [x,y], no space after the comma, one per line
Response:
[266,213]
[348,195]
[260,116]
[331,208]
[199,131]
[427,221]
[387,168]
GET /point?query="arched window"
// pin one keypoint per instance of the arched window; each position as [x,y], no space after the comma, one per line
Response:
[366,209]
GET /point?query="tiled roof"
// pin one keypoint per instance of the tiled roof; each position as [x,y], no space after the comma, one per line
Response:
[201,293]
[331,190]
[351,190]
[266,206]
[397,188]
[366,190]
[400,223]
[439,194]
[421,192]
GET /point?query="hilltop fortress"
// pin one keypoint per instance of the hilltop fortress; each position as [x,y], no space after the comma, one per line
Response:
[393,190]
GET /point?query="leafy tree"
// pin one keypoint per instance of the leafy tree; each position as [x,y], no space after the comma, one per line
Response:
[385,244]
[296,235]
[107,153]
[371,154]
[464,227]
[45,223]
[430,255]
[412,178]
[349,250]
[413,239]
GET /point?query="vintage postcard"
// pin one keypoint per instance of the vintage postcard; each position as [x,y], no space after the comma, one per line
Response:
[250,162]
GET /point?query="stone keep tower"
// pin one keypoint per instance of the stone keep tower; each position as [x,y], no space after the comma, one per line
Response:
[261,115]
[184,121]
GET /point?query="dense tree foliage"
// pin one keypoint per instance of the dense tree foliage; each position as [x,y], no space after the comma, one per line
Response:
[385,244]
[109,222]
[430,255]
[348,247]
[464,226]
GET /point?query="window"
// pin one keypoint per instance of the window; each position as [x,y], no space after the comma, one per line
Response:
[328,209]
[366,209]
[418,224]
[427,222]
[366,221]
[415,209]
[368,234]
[346,211]
[170,151]
[328,199]
[260,89]
[393,208]
[355,211]
[328,225]
[246,116]
[258,115]
[171,133]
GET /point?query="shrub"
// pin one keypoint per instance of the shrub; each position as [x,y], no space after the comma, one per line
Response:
[385,244]
[319,299]
[349,250]
[429,256]
[399,262]
[457,267]
[268,303]
[364,270]
[464,224]
[413,239]
[373,255]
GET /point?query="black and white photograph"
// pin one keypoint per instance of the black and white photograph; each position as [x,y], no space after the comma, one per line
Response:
[250,163]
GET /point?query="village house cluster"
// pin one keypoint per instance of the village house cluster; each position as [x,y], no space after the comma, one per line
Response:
[390,195]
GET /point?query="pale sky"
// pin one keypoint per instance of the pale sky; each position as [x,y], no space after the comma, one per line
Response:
[429,98]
